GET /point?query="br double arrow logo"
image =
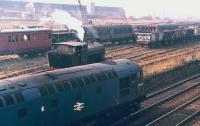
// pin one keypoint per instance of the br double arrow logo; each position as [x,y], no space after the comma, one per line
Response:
[78,106]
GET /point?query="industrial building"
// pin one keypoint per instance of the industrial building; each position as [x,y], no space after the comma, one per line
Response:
[10,9]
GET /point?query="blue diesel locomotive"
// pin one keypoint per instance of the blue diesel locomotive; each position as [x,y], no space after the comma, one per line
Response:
[71,95]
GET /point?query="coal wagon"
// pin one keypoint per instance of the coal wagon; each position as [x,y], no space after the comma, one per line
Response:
[166,37]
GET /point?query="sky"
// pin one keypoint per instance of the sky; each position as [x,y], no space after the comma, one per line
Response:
[138,8]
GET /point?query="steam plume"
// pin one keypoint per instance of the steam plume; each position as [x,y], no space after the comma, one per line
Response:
[62,17]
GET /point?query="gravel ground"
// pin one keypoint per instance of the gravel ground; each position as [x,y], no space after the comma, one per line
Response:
[17,64]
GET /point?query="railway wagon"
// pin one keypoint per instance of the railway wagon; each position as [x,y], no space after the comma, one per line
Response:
[168,26]
[107,34]
[69,96]
[22,41]
[68,54]
[197,31]
[165,37]
[63,35]
[154,27]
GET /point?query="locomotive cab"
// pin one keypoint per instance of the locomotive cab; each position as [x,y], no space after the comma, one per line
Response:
[144,38]
[137,83]
[131,86]
[62,35]
[67,54]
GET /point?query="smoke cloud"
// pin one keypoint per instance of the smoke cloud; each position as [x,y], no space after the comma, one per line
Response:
[65,18]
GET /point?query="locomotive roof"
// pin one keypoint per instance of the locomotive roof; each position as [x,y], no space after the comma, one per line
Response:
[71,43]
[31,81]
[62,31]
[185,29]
[167,24]
[94,46]
[109,26]
[25,30]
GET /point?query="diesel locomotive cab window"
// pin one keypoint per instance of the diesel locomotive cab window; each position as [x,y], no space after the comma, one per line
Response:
[124,86]
[137,76]
[134,77]
[140,75]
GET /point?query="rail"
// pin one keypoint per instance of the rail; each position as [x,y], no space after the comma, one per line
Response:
[31,70]
[140,112]
[174,110]
[188,119]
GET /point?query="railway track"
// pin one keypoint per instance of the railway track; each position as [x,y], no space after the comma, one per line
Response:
[189,119]
[143,56]
[153,54]
[170,56]
[119,47]
[177,115]
[147,63]
[161,97]
[160,103]
[138,54]
[126,52]
[141,59]
[132,53]
[169,52]
[5,58]
[27,71]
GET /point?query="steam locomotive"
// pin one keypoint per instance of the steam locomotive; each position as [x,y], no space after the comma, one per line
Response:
[68,54]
